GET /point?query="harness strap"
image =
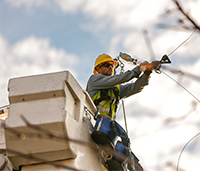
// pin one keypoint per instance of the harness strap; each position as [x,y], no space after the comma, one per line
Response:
[116,93]
[104,96]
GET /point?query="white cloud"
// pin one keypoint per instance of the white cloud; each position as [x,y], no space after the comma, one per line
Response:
[118,14]
[193,9]
[153,140]
[31,56]
[69,5]
[39,51]
[124,14]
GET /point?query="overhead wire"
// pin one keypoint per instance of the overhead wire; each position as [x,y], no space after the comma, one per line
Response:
[177,168]
[197,28]
[148,43]
[183,42]
[171,54]
[181,86]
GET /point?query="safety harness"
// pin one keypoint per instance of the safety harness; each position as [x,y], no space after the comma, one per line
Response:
[107,101]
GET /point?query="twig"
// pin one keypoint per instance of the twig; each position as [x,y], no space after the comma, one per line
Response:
[65,138]
[42,160]
[186,15]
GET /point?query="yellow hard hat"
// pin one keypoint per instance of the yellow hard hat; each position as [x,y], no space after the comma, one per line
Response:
[101,59]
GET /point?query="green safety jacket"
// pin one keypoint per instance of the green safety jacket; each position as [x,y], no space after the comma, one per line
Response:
[107,101]
[100,85]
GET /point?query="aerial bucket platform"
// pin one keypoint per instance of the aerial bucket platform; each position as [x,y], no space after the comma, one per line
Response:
[54,103]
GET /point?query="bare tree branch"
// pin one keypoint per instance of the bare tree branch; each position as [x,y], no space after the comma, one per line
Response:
[182,73]
[186,15]
[183,27]
[194,105]
[42,160]
[52,136]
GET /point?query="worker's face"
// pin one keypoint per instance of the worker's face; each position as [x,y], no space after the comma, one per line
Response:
[106,69]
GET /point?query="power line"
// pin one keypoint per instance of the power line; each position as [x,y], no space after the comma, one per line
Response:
[181,86]
[184,149]
[183,42]
[183,73]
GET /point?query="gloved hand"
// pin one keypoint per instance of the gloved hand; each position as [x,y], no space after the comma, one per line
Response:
[145,66]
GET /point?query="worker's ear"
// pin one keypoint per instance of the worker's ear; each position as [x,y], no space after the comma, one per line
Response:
[98,69]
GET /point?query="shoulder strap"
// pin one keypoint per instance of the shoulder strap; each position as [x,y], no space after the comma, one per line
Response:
[116,92]
[103,96]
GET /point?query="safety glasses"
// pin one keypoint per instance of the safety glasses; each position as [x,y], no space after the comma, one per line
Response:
[107,65]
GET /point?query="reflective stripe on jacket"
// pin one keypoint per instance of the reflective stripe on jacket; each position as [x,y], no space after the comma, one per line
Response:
[108,103]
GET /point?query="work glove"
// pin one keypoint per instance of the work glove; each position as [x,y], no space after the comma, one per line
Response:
[146,66]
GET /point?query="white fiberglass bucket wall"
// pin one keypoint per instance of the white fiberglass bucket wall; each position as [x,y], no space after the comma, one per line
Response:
[54,104]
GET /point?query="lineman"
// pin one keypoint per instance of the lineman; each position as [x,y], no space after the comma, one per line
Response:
[106,89]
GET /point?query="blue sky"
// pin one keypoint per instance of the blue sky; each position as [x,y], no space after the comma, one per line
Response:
[44,36]
[64,31]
